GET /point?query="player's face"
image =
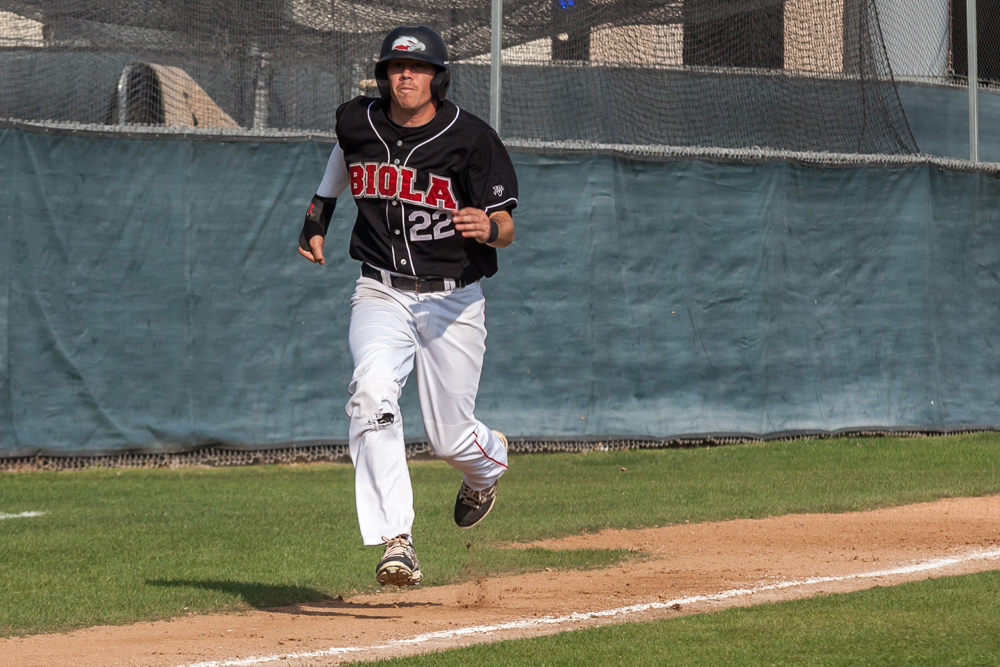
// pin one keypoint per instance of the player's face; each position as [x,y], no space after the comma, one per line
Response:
[410,82]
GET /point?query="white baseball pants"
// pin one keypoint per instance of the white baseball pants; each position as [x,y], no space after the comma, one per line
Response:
[442,335]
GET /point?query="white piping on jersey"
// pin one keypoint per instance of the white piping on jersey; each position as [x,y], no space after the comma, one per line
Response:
[407,161]
[388,158]
[402,212]
[392,248]
[457,112]
[501,203]
[388,155]
[402,207]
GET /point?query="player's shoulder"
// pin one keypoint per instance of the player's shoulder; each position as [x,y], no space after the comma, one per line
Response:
[477,133]
[471,122]
[357,106]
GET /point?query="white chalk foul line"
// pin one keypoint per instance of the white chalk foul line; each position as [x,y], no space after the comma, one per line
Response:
[22,515]
[926,566]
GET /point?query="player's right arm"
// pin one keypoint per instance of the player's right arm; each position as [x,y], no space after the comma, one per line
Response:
[474,223]
[491,179]
[321,208]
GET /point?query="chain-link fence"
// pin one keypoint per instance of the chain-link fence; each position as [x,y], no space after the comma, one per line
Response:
[807,75]
[730,80]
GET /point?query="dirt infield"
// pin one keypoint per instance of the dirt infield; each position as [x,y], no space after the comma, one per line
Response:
[691,569]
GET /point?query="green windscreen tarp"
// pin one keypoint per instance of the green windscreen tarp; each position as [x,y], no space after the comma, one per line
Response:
[151,295]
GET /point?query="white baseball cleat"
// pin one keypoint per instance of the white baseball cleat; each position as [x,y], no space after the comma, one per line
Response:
[399,565]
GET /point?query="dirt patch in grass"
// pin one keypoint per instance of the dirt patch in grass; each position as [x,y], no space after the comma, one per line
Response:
[691,568]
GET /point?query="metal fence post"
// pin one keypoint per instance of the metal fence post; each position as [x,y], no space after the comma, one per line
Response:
[973,67]
[497,42]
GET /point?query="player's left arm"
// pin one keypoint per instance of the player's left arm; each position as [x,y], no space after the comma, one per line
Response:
[495,229]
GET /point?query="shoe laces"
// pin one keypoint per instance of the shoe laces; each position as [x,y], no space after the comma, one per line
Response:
[467,496]
[398,546]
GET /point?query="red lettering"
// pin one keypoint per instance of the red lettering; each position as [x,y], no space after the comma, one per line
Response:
[406,192]
[388,181]
[370,169]
[439,194]
[374,179]
[357,173]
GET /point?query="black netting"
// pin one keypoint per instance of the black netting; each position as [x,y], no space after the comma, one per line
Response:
[337,451]
[804,75]
[987,37]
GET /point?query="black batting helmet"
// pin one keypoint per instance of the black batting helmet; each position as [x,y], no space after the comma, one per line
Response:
[419,43]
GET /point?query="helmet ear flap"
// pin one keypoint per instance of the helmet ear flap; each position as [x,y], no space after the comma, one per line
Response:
[440,84]
[382,79]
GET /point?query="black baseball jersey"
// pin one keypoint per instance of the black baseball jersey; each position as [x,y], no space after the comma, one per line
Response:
[407,181]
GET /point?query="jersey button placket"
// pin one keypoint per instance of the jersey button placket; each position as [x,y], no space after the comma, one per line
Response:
[399,232]
[399,229]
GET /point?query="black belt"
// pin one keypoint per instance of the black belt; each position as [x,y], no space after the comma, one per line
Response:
[408,284]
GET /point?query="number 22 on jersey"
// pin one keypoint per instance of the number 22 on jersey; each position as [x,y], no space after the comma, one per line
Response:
[430,226]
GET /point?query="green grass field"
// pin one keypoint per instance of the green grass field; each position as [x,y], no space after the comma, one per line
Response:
[119,546]
[949,621]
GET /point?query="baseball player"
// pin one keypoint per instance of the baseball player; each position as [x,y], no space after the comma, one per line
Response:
[435,188]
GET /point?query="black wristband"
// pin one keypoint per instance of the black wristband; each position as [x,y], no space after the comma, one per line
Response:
[494,231]
[311,229]
[317,220]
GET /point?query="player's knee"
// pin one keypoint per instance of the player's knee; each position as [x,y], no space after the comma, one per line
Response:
[375,403]
[450,440]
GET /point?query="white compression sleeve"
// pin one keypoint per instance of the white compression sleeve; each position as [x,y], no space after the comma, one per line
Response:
[335,180]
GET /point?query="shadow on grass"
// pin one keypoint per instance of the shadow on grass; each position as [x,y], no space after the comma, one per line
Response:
[257,595]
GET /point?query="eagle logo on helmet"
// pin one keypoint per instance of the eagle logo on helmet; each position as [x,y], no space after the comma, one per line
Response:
[407,43]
